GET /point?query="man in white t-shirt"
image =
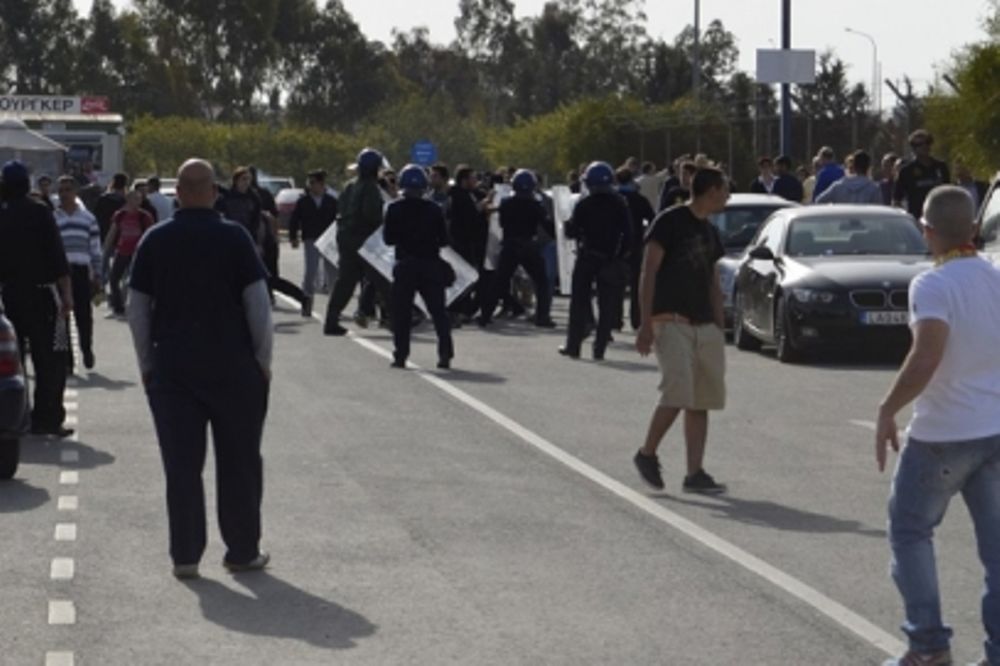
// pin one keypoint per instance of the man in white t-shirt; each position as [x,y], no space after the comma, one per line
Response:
[953,440]
[163,204]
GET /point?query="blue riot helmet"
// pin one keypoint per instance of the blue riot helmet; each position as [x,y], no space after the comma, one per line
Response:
[413,179]
[369,162]
[524,182]
[598,176]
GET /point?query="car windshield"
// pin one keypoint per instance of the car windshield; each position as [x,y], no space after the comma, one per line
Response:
[738,224]
[854,234]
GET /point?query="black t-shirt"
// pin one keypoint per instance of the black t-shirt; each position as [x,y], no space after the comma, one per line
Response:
[416,227]
[196,267]
[673,196]
[602,224]
[467,225]
[915,182]
[31,248]
[691,247]
[641,213]
[243,208]
[107,205]
[521,217]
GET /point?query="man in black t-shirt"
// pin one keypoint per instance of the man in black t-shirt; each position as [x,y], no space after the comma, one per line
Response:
[682,321]
[920,175]
[677,193]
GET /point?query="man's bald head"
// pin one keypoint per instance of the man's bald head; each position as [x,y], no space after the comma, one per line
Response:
[951,213]
[196,184]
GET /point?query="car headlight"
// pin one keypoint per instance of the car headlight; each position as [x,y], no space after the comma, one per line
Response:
[813,296]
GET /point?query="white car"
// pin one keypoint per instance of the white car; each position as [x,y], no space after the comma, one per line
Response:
[738,224]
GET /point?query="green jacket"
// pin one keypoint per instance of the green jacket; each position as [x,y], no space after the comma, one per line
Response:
[361,208]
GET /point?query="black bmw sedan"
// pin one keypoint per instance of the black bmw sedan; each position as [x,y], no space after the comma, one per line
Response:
[830,276]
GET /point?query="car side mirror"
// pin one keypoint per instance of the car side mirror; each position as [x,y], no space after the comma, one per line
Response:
[762,252]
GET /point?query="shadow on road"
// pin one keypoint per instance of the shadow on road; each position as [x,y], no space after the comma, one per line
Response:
[779,516]
[289,327]
[279,609]
[99,381]
[628,366]
[459,375]
[47,451]
[16,495]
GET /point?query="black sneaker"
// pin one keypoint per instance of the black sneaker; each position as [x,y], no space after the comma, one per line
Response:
[444,364]
[570,353]
[88,359]
[701,482]
[307,307]
[398,364]
[545,323]
[649,469]
[336,329]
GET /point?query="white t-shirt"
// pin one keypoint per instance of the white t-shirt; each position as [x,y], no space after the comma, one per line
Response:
[962,401]
[163,205]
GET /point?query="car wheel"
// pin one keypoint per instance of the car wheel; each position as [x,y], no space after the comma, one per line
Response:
[742,338]
[10,455]
[786,351]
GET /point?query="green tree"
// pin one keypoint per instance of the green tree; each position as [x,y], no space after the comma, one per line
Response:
[39,46]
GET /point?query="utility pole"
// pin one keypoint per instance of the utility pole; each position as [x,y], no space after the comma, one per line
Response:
[786,89]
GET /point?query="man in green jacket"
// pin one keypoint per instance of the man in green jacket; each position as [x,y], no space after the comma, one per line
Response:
[361,208]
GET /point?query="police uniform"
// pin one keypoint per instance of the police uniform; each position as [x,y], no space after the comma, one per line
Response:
[32,259]
[203,336]
[416,227]
[601,224]
[521,216]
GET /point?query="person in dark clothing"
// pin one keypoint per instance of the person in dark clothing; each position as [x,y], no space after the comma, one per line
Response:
[313,214]
[203,337]
[110,203]
[786,185]
[467,231]
[673,195]
[241,204]
[641,215]
[37,294]
[416,227]
[360,216]
[764,182]
[602,225]
[142,187]
[573,178]
[521,217]
[920,175]
[44,192]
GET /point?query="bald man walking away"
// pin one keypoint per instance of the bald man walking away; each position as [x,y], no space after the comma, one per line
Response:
[203,336]
[953,440]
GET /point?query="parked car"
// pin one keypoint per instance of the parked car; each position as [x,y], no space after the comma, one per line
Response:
[285,201]
[13,399]
[828,276]
[276,183]
[989,222]
[738,224]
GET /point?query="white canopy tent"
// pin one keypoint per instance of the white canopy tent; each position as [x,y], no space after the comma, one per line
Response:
[39,153]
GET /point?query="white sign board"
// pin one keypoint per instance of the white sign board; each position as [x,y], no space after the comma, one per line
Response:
[563,203]
[786,66]
[327,245]
[495,237]
[14,104]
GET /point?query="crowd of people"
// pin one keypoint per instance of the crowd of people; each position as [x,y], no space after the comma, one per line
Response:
[203,335]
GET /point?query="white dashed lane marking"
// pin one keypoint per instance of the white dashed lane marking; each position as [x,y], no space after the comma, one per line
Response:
[63,568]
[71,406]
[71,420]
[66,532]
[59,659]
[69,456]
[70,478]
[62,612]
[69,502]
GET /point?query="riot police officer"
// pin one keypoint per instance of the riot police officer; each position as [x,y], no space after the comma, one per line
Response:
[602,226]
[521,216]
[416,227]
[37,294]
[360,216]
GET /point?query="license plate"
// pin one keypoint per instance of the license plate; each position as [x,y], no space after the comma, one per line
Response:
[885,318]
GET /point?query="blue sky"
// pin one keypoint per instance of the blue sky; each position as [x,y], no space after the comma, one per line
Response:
[913,37]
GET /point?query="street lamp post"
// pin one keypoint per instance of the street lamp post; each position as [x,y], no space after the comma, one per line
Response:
[876,88]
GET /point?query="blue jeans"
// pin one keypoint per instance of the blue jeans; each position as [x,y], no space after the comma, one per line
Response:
[313,261]
[927,476]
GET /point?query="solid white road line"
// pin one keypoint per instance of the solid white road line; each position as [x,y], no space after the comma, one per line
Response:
[834,610]
[65,532]
[63,568]
[62,612]
[59,659]
[70,478]
[69,503]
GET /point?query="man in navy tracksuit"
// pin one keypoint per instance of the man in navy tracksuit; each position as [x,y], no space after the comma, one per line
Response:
[416,227]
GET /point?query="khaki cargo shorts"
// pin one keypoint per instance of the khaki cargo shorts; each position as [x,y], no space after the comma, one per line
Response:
[692,360]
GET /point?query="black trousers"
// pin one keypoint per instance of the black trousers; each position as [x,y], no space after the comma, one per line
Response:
[33,313]
[635,270]
[610,278]
[276,283]
[512,255]
[234,407]
[426,277]
[119,267]
[350,270]
[83,311]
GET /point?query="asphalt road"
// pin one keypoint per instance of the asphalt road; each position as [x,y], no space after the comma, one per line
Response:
[485,515]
